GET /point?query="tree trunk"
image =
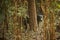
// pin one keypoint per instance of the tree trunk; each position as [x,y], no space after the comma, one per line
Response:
[52,29]
[32,14]
[16,24]
[45,10]
[5,27]
[2,11]
[52,21]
